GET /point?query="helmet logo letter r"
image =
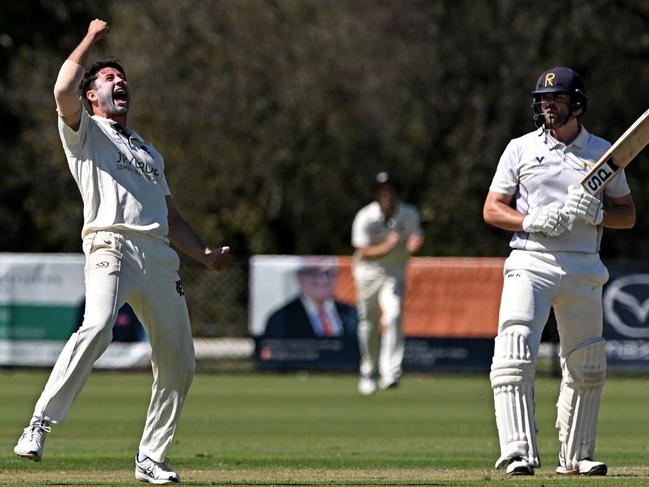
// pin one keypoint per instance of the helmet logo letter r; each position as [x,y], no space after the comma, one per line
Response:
[549,79]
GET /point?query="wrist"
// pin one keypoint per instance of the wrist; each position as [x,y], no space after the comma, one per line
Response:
[526,223]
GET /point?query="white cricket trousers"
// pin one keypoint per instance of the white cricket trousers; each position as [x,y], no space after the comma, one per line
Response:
[380,296]
[569,282]
[123,267]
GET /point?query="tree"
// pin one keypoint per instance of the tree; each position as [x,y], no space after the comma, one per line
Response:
[274,115]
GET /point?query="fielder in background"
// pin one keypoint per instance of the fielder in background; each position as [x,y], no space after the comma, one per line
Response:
[384,233]
[129,220]
[555,262]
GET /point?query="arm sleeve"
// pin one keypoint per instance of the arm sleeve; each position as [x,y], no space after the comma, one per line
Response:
[505,181]
[415,223]
[618,187]
[360,238]
[165,186]
[74,140]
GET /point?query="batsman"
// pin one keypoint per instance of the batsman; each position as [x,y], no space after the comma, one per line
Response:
[554,264]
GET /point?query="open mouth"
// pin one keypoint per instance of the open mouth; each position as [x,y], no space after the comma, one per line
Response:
[120,96]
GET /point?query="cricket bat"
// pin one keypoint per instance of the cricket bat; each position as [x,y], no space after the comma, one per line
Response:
[618,156]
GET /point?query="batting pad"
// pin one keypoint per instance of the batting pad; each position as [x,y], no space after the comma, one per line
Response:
[584,373]
[512,380]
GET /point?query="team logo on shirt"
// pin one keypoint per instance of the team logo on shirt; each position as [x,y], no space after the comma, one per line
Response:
[141,168]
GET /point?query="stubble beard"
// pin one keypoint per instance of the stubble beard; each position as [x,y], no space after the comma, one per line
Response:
[107,104]
[556,120]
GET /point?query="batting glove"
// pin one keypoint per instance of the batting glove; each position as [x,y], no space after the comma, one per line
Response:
[548,220]
[581,204]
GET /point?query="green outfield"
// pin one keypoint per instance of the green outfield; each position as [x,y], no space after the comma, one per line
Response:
[297,429]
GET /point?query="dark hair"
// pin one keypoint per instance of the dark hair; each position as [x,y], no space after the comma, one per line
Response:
[90,75]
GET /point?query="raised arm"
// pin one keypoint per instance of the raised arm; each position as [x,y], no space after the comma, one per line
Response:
[66,89]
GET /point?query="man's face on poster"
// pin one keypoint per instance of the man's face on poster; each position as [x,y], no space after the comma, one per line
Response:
[317,282]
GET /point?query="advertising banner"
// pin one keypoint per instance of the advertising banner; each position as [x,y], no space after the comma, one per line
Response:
[626,316]
[40,295]
[42,304]
[450,314]
[291,300]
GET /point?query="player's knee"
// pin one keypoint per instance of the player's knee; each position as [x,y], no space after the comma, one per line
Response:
[181,361]
[365,325]
[584,367]
[365,314]
[513,361]
[100,331]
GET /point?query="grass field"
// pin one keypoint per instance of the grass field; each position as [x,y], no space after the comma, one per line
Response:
[297,429]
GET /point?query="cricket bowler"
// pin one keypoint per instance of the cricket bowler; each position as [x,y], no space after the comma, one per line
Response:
[129,220]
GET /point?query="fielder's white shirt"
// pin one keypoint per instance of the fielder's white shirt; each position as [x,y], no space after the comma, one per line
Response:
[370,227]
[120,177]
[538,169]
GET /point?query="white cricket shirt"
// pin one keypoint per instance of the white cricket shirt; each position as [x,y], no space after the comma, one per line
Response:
[370,227]
[120,177]
[538,169]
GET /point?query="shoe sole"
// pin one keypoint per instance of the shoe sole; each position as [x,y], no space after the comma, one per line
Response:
[598,471]
[29,455]
[145,478]
[520,471]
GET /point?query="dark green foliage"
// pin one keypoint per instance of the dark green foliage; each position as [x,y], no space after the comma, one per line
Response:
[273,116]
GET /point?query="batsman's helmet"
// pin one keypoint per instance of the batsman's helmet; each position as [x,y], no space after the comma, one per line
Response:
[560,80]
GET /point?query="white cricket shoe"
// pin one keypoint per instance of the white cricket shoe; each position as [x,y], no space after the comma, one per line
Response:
[367,386]
[31,443]
[154,472]
[388,383]
[586,467]
[519,466]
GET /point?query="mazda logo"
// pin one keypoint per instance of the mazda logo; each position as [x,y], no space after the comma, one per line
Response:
[628,296]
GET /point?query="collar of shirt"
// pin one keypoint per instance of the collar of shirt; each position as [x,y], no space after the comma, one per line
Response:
[580,141]
[377,214]
[131,137]
[111,123]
